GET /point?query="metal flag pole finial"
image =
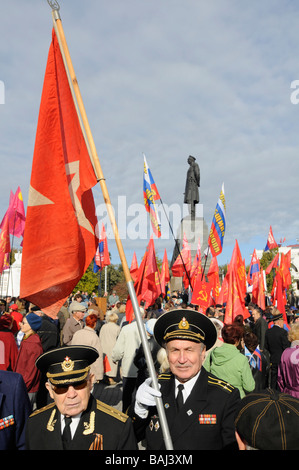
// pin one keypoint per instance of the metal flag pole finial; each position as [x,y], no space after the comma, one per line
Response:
[54,4]
[55,7]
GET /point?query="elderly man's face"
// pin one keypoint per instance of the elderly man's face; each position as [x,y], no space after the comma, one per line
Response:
[255,315]
[73,399]
[185,358]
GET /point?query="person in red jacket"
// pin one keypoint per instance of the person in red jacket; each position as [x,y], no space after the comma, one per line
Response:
[17,317]
[30,350]
[8,345]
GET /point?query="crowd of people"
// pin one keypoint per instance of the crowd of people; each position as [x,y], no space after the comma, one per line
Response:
[258,355]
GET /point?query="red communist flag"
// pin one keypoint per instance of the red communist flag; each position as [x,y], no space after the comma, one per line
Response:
[59,238]
[201,294]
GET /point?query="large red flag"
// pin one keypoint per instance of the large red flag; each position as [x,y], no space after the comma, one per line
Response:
[285,265]
[59,238]
[236,292]
[4,245]
[279,295]
[201,294]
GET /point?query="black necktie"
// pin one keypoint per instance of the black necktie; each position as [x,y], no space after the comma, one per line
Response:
[66,435]
[179,397]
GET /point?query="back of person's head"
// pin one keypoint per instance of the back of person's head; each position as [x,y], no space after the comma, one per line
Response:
[250,341]
[239,320]
[91,320]
[231,334]
[268,420]
[113,317]
[293,334]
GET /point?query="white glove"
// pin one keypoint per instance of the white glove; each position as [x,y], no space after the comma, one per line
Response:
[145,397]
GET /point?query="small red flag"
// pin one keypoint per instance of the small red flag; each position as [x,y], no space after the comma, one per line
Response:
[213,277]
[134,267]
[107,366]
[147,285]
[4,245]
[15,214]
[164,277]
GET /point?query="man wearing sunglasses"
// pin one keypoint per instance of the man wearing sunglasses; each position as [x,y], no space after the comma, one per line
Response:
[75,420]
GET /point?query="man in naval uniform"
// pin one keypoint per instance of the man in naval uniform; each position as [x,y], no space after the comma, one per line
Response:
[201,416]
[75,420]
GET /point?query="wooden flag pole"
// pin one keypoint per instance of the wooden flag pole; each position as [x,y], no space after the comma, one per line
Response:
[101,179]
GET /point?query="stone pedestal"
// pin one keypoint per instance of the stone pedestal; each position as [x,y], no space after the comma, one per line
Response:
[194,229]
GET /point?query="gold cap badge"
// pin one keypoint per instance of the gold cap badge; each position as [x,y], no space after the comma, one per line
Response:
[67,365]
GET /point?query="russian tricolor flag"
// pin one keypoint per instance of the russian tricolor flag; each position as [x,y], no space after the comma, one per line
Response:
[217,231]
[151,194]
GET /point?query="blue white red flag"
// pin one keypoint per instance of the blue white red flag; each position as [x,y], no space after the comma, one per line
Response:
[217,231]
[254,359]
[254,267]
[102,257]
[271,243]
[151,194]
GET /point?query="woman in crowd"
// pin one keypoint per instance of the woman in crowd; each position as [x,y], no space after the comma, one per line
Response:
[87,336]
[288,369]
[30,350]
[108,336]
[228,363]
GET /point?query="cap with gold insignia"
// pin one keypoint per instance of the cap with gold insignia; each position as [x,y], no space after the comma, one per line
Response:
[67,365]
[185,324]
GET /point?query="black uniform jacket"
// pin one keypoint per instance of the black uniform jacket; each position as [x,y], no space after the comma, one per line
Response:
[206,421]
[101,427]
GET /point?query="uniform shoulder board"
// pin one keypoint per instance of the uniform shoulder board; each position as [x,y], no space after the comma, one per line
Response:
[41,410]
[212,380]
[110,410]
[164,376]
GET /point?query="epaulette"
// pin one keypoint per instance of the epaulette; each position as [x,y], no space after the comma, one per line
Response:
[164,376]
[41,410]
[110,410]
[220,383]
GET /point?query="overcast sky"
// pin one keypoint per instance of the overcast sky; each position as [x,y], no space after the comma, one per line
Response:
[168,78]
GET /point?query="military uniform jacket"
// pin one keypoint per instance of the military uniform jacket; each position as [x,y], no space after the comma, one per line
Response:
[206,421]
[101,427]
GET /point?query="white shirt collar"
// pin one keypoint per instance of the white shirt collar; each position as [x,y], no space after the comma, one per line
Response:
[188,386]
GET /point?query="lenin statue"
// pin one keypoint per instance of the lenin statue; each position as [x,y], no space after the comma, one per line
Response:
[192,184]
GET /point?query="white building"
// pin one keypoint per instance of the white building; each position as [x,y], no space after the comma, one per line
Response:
[10,278]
